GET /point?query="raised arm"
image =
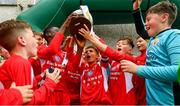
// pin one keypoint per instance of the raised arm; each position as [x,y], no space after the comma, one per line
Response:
[138,20]
[86,34]
[103,47]
[80,45]
[74,60]
[56,42]
[69,47]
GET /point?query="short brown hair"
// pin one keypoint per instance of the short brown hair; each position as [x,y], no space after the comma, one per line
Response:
[165,7]
[9,30]
[137,37]
[128,39]
[92,47]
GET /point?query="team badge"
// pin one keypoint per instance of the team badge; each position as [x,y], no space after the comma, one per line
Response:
[90,73]
[42,61]
[156,41]
[57,58]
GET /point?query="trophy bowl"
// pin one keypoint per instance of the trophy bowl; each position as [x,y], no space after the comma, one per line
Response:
[78,23]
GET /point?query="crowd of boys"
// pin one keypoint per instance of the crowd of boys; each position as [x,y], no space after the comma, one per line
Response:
[47,69]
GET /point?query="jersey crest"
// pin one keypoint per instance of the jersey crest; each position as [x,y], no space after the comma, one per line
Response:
[90,73]
[57,58]
[156,41]
[42,61]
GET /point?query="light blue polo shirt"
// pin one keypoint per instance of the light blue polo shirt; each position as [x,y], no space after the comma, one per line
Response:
[163,54]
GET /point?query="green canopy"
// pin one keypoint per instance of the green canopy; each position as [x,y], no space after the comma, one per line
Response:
[54,12]
[46,12]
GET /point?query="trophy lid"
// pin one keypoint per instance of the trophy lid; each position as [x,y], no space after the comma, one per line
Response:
[78,23]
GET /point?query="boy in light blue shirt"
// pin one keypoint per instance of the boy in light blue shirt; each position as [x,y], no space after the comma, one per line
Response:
[163,54]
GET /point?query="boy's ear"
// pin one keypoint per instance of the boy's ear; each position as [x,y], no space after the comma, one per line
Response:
[21,40]
[165,17]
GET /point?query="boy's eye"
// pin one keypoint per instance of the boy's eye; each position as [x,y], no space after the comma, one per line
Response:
[147,19]
[124,44]
[39,39]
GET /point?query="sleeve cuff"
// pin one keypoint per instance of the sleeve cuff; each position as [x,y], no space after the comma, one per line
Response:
[139,70]
[135,11]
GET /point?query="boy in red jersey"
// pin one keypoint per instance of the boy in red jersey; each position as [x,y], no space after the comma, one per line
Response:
[124,91]
[17,37]
[93,89]
[121,85]
[53,56]
[93,79]
[72,75]
[139,81]
[39,37]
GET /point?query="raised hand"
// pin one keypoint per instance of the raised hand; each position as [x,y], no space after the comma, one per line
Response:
[69,41]
[136,4]
[85,33]
[80,42]
[128,66]
[26,91]
[67,22]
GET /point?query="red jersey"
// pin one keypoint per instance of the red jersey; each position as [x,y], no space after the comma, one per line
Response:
[93,85]
[58,60]
[53,57]
[117,88]
[17,69]
[46,52]
[73,79]
[36,66]
[10,97]
[121,85]
[49,54]
[140,81]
